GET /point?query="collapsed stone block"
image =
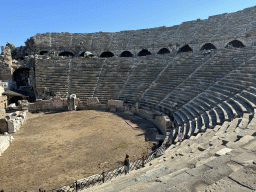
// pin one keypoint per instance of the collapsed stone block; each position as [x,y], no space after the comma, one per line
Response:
[13,125]
[3,125]
[5,142]
[93,101]
[11,106]
[23,105]
[115,103]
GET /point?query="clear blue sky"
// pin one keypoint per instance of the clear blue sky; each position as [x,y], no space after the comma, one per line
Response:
[21,19]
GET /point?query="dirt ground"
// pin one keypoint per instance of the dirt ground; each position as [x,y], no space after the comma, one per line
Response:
[53,150]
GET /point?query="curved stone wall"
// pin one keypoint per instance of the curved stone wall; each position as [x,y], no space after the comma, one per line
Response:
[218,30]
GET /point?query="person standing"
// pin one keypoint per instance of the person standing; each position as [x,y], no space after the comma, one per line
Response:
[127,164]
[180,136]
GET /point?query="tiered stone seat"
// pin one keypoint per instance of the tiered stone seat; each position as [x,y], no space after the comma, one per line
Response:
[172,76]
[203,77]
[142,76]
[85,78]
[112,80]
[55,78]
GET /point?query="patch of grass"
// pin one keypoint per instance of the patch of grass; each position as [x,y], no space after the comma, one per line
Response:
[122,145]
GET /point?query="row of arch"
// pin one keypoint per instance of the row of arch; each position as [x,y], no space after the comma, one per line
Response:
[144,52]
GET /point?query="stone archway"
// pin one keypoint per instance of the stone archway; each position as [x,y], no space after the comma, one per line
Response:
[66,54]
[208,46]
[144,52]
[107,54]
[163,51]
[235,43]
[126,54]
[185,48]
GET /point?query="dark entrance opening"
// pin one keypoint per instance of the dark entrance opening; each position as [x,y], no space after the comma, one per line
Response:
[144,52]
[86,54]
[107,54]
[163,51]
[185,48]
[66,54]
[126,54]
[208,46]
[43,52]
[20,76]
[235,43]
[15,100]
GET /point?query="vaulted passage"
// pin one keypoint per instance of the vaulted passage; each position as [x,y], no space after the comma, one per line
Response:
[21,77]
[126,54]
[66,54]
[235,43]
[43,52]
[15,100]
[163,51]
[144,52]
[185,48]
[107,54]
[208,46]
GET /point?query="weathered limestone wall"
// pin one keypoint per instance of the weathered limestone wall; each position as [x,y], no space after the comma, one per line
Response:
[54,104]
[5,64]
[217,29]
[3,102]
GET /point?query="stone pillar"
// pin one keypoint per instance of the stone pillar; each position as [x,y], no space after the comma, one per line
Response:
[71,102]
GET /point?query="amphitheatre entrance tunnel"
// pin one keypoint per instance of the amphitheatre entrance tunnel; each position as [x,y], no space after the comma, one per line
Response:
[21,77]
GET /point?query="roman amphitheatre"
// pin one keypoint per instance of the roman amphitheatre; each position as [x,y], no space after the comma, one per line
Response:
[73,104]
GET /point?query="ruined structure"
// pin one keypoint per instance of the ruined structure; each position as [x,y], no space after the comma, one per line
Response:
[199,75]
[3,102]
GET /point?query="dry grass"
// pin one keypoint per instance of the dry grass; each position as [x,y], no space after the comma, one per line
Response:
[52,150]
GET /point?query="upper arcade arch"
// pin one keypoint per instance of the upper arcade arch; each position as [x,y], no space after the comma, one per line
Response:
[163,51]
[66,54]
[144,52]
[107,54]
[235,43]
[208,46]
[185,48]
[43,52]
[126,54]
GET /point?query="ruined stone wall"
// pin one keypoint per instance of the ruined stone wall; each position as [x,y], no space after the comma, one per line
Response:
[5,64]
[94,77]
[55,104]
[3,102]
[218,29]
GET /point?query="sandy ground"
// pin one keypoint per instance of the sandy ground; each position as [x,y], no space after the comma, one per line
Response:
[53,150]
